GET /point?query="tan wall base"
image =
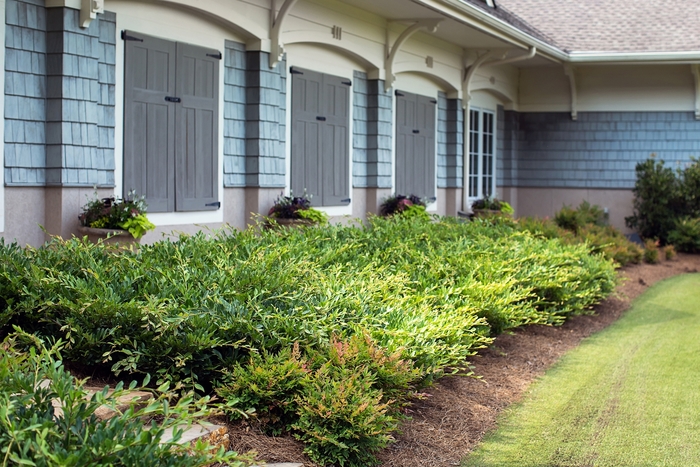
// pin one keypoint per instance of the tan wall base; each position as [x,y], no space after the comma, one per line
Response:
[24,214]
[545,202]
[449,201]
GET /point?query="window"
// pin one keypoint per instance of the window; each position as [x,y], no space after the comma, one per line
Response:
[415,145]
[320,162]
[482,157]
[171,96]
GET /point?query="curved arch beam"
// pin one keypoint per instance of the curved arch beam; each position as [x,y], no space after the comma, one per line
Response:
[419,68]
[500,95]
[351,49]
[429,25]
[276,48]
[220,15]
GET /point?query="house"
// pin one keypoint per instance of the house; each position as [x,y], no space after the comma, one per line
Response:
[212,108]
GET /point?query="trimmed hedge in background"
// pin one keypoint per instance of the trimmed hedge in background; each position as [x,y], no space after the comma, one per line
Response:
[392,304]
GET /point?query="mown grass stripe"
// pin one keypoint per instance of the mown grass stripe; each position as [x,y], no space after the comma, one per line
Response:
[627,396]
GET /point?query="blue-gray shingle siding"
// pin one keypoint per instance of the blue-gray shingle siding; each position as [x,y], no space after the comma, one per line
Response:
[25,92]
[599,150]
[450,144]
[265,121]
[234,114]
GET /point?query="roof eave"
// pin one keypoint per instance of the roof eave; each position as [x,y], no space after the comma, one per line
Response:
[480,19]
[634,57]
[495,27]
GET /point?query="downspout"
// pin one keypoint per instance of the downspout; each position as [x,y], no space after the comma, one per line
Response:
[466,98]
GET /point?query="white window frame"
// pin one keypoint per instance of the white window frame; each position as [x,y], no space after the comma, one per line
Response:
[480,151]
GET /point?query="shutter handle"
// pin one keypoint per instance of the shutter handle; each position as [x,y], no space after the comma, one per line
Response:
[173,99]
[321,119]
[415,132]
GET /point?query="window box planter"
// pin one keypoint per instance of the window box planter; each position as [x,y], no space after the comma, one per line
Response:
[108,236]
[288,223]
[489,213]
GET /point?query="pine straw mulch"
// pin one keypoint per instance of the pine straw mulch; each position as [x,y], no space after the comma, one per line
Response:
[457,411]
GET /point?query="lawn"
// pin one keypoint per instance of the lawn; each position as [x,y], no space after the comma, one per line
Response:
[627,396]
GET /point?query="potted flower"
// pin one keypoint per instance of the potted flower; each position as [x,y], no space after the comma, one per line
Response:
[407,206]
[294,211]
[488,206]
[115,216]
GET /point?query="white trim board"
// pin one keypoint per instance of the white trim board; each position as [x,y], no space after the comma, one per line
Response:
[2,127]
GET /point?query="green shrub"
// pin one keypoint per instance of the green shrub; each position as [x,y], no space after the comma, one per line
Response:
[266,386]
[651,251]
[690,189]
[657,200]
[394,303]
[342,419]
[575,219]
[686,235]
[585,225]
[669,252]
[32,433]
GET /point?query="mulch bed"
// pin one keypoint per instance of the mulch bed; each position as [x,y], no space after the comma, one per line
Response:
[458,410]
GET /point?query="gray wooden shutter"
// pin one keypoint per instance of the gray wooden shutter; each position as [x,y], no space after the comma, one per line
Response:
[149,120]
[336,130]
[306,168]
[320,131]
[197,128]
[415,145]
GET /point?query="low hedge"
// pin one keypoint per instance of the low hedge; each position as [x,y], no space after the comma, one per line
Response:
[415,297]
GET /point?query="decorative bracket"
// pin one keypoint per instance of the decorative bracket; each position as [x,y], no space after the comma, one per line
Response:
[695,68]
[276,19]
[468,75]
[570,72]
[89,10]
[429,25]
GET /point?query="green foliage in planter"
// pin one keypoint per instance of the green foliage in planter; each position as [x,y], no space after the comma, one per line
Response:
[686,235]
[117,213]
[31,433]
[398,204]
[313,215]
[493,204]
[137,226]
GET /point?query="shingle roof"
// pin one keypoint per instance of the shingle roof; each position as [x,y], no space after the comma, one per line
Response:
[608,25]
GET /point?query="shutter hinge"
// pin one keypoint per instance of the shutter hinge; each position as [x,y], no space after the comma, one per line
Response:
[432,199]
[398,93]
[433,101]
[217,204]
[346,200]
[126,37]
[346,83]
[294,71]
[217,55]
